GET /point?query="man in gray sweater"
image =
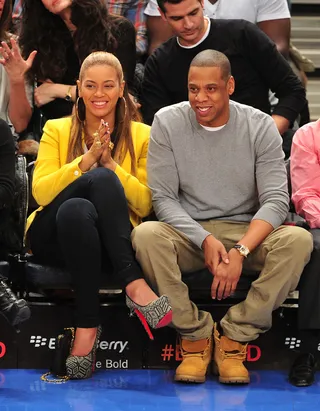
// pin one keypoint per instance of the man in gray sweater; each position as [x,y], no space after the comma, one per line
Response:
[218,179]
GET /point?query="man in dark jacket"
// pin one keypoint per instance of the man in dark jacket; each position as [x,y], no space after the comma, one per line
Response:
[256,64]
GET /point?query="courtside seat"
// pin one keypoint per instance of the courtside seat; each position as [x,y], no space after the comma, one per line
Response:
[199,284]
[45,278]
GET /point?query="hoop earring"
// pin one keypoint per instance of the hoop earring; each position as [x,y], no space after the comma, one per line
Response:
[80,110]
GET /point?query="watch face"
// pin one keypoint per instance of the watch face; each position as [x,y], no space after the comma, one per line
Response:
[243,250]
[68,98]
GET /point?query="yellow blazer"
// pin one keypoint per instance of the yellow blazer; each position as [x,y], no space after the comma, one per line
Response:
[53,174]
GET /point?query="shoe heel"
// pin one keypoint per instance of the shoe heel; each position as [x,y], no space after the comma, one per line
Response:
[144,323]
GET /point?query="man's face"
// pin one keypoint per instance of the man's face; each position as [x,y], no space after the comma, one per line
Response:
[186,20]
[209,95]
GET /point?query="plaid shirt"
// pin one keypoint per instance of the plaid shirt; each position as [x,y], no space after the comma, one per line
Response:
[17,8]
[133,10]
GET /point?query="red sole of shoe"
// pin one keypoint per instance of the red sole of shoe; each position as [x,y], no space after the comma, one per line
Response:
[144,323]
[167,319]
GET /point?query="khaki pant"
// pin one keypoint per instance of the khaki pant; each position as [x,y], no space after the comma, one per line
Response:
[164,252]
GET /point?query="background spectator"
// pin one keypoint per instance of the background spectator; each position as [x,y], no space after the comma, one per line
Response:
[256,64]
[305,180]
[272,16]
[134,11]
[15,106]
[64,33]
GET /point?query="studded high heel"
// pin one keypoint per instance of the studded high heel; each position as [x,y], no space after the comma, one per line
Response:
[157,314]
[81,367]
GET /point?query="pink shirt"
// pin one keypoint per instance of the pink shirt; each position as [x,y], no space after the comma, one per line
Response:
[305,173]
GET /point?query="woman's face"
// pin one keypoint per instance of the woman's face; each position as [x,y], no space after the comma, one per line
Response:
[56,6]
[100,89]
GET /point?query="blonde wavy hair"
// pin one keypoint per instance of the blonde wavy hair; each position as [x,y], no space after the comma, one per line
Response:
[125,113]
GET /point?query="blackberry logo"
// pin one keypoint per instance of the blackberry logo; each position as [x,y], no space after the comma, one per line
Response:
[292,342]
[38,341]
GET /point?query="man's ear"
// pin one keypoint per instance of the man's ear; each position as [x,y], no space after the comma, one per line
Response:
[231,85]
[162,14]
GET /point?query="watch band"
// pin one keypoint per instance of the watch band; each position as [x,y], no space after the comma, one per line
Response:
[68,96]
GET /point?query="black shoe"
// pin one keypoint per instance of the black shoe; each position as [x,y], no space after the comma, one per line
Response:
[303,370]
[15,311]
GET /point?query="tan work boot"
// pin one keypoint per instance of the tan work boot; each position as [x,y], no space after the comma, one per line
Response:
[196,356]
[228,360]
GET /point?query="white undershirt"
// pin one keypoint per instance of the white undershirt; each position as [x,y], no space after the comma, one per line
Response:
[213,128]
[206,34]
[211,9]
[251,10]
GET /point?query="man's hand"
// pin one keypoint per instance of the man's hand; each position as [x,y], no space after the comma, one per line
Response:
[227,276]
[214,253]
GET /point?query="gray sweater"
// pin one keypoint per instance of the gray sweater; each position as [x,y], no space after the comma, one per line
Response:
[237,173]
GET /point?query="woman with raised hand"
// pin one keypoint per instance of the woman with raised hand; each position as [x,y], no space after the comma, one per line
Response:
[64,33]
[90,170]
[15,107]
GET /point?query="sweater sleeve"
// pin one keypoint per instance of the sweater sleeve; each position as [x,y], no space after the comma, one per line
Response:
[275,71]
[135,187]
[49,178]
[271,176]
[164,183]
[305,173]
[154,94]
[126,50]
[7,165]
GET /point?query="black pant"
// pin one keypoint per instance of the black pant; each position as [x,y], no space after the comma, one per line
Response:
[86,227]
[7,166]
[309,289]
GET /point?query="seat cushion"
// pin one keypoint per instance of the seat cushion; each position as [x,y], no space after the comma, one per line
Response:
[50,278]
[199,283]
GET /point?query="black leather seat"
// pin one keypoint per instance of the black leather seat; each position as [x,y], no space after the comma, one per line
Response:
[46,277]
[41,277]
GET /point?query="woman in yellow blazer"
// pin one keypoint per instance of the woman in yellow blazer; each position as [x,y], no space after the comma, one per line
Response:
[91,169]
